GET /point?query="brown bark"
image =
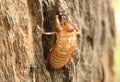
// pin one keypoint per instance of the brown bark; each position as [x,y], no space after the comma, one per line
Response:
[23,49]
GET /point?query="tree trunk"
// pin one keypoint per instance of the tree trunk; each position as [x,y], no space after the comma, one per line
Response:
[23,49]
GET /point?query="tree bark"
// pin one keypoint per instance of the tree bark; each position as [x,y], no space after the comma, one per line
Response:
[23,49]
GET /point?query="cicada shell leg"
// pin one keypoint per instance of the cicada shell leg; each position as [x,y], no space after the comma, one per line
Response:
[57,23]
[68,19]
[48,57]
[77,29]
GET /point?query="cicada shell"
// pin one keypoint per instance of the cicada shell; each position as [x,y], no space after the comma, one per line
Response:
[65,44]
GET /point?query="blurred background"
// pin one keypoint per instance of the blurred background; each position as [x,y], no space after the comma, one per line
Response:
[116,6]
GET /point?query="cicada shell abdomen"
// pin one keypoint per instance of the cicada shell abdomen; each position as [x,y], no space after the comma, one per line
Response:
[63,49]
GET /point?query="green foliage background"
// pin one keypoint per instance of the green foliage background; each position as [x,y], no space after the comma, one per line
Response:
[116,5]
[117,57]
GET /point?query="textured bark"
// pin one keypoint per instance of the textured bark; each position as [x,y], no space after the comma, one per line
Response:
[23,49]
